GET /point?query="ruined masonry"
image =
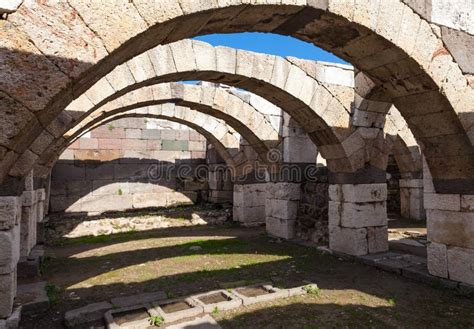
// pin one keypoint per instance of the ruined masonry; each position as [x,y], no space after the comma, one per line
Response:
[317,152]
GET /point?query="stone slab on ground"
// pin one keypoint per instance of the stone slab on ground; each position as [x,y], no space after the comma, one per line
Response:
[205,322]
[169,317]
[231,302]
[272,293]
[138,299]
[33,297]
[28,268]
[110,317]
[87,314]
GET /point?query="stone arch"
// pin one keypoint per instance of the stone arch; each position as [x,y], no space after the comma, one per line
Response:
[319,112]
[254,126]
[411,68]
[225,140]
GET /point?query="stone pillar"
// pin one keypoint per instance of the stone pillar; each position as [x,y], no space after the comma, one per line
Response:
[28,222]
[10,217]
[411,199]
[220,184]
[249,203]
[281,209]
[450,225]
[358,218]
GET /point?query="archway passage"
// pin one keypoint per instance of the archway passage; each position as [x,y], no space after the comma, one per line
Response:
[254,126]
[411,72]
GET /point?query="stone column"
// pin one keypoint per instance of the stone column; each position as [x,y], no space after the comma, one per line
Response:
[10,217]
[281,209]
[28,222]
[411,199]
[358,218]
[220,184]
[249,203]
[450,225]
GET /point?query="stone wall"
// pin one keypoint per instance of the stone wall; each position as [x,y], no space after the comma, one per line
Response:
[130,163]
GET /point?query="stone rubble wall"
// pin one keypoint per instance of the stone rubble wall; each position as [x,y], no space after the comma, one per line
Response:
[111,169]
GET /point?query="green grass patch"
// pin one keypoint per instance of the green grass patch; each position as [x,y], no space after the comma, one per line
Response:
[54,293]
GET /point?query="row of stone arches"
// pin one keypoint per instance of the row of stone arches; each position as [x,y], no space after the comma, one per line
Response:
[127,48]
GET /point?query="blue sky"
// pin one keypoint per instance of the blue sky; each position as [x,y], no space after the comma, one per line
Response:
[269,43]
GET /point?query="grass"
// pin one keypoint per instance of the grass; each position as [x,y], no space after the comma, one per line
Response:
[54,293]
[156,320]
[312,289]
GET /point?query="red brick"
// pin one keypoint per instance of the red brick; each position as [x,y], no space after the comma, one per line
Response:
[108,132]
[110,144]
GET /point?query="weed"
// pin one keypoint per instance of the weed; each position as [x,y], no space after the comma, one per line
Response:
[110,127]
[156,320]
[120,192]
[312,289]
[391,301]
[53,292]
[215,311]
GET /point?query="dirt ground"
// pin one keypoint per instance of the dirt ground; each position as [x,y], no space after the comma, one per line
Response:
[187,260]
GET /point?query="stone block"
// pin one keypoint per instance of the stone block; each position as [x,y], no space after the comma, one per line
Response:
[9,249]
[411,183]
[282,209]
[467,203]
[284,191]
[228,302]
[437,255]
[357,215]
[29,198]
[442,201]
[271,294]
[10,211]
[35,297]
[169,145]
[461,264]
[249,214]
[140,322]
[193,310]
[87,314]
[377,239]
[352,241]
[28,229]
[451,228]
[7,293]
[280,228]
[358,193]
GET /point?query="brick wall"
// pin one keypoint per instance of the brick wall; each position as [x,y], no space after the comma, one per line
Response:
[115,167]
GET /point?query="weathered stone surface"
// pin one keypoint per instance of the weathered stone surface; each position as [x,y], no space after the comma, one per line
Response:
[9,249]
[7,293]
[358,193]
[282,209]
[437,259]
[352,241]
[450,202]
[10,212]
[451,228]
[377,238]
[461,264]
[357,215]
[280,228]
